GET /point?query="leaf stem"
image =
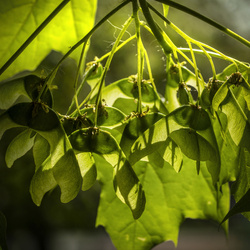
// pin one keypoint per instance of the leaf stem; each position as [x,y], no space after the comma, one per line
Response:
[157,31]
[140,55]
[33,35]
[107,65]
[207,20]
[87,36]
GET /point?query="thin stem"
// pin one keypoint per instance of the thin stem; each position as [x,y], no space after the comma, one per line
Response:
[107,65]
[155,28]
[149,69]
[77,76]
[33,36]
[207,20]
[87,36]
[195,68]
[118,48]
[209,59]
[140,55]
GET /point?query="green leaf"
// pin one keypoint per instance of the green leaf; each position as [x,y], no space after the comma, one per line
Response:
[240,188]
[88,169]
[128,189]
[67,28]
[43,179]
[64,163]
[107,116]
[33,85]
[172,154]
[34,115]
[243,205]
[185,123]
[170,199]
[135,127]
[6,123]
[126,184]
[122,95]
[229,152]
[19,146]
[10,91]
[3,226]
[236,120]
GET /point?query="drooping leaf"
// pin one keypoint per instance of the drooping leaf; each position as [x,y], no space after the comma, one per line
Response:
[135,127]
[107,116]
[19,146]
[34,115]
[68,27]
[236,121]
[185,123]
[240,188]
[126,183]
[172,154]
[33,85]
[123,95]
[87,168]
[64,163]
[6,123]
[170,199]
[229,152]
[242,206]
[10,91]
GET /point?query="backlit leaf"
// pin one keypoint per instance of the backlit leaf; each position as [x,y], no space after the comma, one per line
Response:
[88,169]
[126,183]
[64,163]
[107,116]
[10,91]
[67,28]
[19,146]
[170,199]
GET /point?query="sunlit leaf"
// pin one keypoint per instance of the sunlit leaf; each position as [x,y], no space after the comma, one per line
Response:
[107,116]
[10,91]
[172,154]
[43,180]
[19,146]
[170,199]
[87,168]
[123,95]
[135,127]
[126,184]
[65,166]
[68,27]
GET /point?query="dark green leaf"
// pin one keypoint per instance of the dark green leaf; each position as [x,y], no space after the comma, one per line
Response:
[107,116]
[243,205]
[34,115]
[135,127]
[33,85]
